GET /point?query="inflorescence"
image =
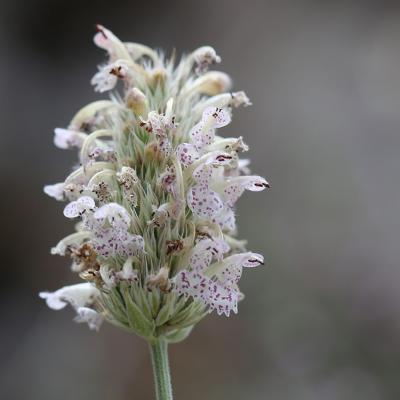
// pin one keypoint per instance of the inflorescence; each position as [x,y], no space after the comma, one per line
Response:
[154,194]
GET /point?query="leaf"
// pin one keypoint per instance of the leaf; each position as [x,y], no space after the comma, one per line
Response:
[165,313]
[137,320]
[179,335]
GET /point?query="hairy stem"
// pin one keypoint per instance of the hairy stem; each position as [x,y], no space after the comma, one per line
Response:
[162,377]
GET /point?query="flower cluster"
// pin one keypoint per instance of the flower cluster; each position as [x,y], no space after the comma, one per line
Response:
[154,194]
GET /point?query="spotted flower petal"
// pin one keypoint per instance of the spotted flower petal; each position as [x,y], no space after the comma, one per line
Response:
[203,202]
[203,133]
[187,154]
[107,77]
[204,251]
[211,293]
[230,269]
[236,186]
[79,207]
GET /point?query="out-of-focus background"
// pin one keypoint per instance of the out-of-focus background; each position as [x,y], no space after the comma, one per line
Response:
[322,320]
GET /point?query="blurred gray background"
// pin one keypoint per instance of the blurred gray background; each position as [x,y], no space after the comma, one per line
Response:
[322,320]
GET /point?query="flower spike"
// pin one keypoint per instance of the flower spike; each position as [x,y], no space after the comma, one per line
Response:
[154,194]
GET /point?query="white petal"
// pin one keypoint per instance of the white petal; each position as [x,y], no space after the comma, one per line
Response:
[201,255]
[202,175]
[67,138]
[115,214]
[240,98]
[112,242]
[237,186]
[226,220]
[187,154]
[71,210]
[203,170]
[56,191]
[205,56]
[86,203]
[53,300]
[203,202]
[230,270]
[103,81]
[202,135]
[79,207]
[221,117]
[107,77]
[106,40]
[89,316]
[223,299]
[204,251]
[74,240]
[211,293]
[190,283]
[80,295]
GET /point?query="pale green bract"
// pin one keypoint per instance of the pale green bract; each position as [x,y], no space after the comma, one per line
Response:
[154,194]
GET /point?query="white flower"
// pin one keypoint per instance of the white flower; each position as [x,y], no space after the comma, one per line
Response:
[228,144]
[74,240]
[202,200]
[203,133]
[67,138]
[56,191]
[106,40]
[234,187]
[89,316]
[204,57]
[110,225]
[240,99]
[187,154]
[114,214]
[215,285]
[205,251]
[79,207]
[79,295]
[107,77]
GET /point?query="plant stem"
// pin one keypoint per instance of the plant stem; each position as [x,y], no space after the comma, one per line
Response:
[162,377]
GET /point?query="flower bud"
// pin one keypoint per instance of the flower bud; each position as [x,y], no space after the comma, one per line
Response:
[136,100]
[210,84]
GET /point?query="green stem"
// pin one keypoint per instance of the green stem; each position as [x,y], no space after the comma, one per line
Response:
[162,377]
